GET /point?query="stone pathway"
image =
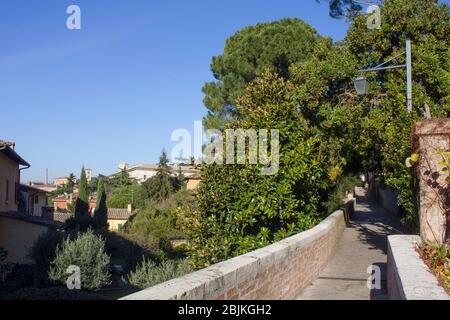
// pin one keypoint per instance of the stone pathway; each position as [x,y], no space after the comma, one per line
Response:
[363,244]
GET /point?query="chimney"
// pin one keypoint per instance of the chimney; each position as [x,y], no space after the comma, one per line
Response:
[130,208]
[46,176]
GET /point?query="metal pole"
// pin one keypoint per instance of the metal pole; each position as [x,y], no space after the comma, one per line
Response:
[409,76]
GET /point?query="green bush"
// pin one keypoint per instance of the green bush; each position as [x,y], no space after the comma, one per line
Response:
[344,185]
[239,209]
[42,254]
[149,274]
[123,196]
[128,248]
[87,251]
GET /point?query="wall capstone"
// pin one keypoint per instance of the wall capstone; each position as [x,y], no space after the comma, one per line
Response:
[280,271]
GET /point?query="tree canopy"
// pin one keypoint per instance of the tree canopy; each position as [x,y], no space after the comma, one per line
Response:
[101,210]
[82,203]
[327,131]
[246,54]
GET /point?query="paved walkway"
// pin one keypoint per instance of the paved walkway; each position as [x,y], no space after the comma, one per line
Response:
[363,244]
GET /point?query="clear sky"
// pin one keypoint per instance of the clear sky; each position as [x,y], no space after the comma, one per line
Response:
[116,89]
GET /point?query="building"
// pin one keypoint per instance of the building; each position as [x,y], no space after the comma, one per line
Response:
[33,201]
[61,181]
[63,202]
[42,186]
[193,182]
[117,218]
[10,168]
[18,230]
[143,172]
[88,173]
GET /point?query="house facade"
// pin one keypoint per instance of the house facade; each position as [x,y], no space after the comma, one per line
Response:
[33,201]
[143,172]
[18,229]
[63,202]
[117,217]
[10,163]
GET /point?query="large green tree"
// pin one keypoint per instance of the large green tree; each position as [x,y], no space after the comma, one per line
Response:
[246,54]
[326,130]
[239,208]
[384,139]
[122,197]
[120,180]
[346,8]
[162,185]
[101,210]
[82,203]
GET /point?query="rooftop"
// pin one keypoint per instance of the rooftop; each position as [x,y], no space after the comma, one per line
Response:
[10,153]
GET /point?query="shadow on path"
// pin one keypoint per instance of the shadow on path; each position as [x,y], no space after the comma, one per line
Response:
[362,247]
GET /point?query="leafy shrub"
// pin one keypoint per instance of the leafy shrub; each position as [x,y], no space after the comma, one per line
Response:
[239,209]
[43,253]
[87,251]
[125,195]
[128,248]
[437,257]
[149,274]
[344,185]
[55,293]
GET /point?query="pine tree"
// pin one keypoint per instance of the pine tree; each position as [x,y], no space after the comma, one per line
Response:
[82,203]
[101,210]
[163,176]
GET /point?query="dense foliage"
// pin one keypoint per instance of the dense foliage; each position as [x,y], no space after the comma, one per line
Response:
[82,202]
[86,251]
[384,138]
[246,54]
[437,257]
[162,185]
[327,132]
[101,210]
[42,253]
[148,273]
[123,196]
[238,208]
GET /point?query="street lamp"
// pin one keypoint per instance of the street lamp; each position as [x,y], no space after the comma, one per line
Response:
[362,84]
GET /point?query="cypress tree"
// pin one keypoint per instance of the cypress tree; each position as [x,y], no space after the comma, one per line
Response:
[82,203]
[163,176]
[101,210]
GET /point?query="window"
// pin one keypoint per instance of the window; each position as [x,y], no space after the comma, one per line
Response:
[36,199]
[16,193]
[7,190]
[120,227]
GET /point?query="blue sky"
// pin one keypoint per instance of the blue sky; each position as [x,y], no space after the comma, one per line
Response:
[116,89]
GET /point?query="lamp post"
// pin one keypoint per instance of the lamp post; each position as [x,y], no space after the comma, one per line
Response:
[362,84]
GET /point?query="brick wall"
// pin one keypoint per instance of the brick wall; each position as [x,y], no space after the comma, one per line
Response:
[278,272]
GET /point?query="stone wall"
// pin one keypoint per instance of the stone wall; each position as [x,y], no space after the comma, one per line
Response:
[408,277]
[17,237]
[9,175]
[386,196]
[430,136]
[280,271]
